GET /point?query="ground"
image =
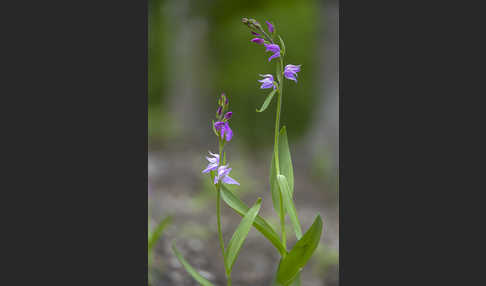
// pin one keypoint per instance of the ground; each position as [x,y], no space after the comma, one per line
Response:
[177,188]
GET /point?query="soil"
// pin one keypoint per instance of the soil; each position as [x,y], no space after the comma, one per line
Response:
[177,188]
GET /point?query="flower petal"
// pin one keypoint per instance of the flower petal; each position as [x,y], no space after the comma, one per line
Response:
[211,167]
[229,134]
[257,40]
[229,180]
[271,28]
[276,55]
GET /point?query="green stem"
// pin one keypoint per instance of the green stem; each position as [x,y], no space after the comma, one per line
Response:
[277,164]
[222,160]
[218,210]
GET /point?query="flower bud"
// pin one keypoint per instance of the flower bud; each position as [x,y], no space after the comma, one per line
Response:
[228,115]
[244,21]
[259,41]
[219,111]
[224,99]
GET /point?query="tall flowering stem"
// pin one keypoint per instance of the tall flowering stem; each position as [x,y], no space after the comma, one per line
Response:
[217,165]
[289,72]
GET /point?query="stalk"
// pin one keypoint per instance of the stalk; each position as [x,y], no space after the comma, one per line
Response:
[277,135]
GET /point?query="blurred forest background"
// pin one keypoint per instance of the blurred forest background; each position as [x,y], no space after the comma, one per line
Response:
[199,49]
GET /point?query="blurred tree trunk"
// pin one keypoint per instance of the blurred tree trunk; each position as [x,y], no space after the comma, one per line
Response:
[187,56]
[323,137]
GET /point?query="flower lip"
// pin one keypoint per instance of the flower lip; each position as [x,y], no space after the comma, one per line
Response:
[222,175]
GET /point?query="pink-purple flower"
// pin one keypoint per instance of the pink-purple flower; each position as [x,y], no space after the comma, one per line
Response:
[258,40]
[213,162]
[228,115]
[222,176]
[275,49]
[271,29]
[291,71]
[224,130]
[267,81]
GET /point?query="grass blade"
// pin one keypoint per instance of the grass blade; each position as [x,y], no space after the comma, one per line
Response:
[289,205]
[198,277]
[260,223]
[267,101]
[239,236]
[297,258]
[155,235]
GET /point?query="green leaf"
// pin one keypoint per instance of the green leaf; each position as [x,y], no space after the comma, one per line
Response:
[286,169]
[289,205]
[267,101]
[198,277]
[260,223]
[283,45]
[294,282]
[239,236]
[297,258]
[274,185]
[155,235]
[285,160]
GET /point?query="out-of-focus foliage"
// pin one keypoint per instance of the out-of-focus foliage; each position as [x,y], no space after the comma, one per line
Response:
[233,63]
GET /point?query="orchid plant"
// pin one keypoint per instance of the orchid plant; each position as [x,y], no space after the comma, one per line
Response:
[281,178]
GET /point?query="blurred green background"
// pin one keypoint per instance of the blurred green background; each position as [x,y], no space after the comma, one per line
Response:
[199,49]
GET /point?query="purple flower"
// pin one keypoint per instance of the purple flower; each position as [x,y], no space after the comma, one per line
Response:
[219,111]
[267,81]
[275,49]
[291,71]
[258,41]
[222,176]
[224,130]
[254,33]
[228,115]
[270,27]
[213,162]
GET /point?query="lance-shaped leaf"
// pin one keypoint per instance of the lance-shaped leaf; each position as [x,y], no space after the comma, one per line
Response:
[260,223]
[239,236]
[289,205]
[295,281]
[198,277]
[155,235]
[286,169]
[300,254]
[267,101]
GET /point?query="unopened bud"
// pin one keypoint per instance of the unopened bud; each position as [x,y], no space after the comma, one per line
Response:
[219,111]
[223,100]
[244,21]
[228,115]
